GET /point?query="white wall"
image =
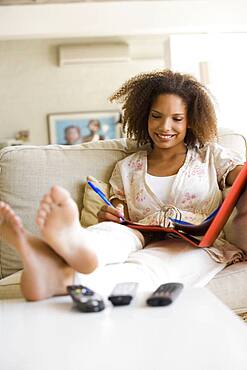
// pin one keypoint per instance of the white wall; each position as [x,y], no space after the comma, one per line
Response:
[226,57]
[122,18]
[33,85]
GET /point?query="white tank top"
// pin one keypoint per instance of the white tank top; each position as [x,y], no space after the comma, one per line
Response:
[160,185]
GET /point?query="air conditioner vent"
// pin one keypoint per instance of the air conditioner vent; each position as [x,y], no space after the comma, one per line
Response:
[93,53]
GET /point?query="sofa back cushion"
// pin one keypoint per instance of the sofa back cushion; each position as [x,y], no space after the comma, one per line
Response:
[28,172]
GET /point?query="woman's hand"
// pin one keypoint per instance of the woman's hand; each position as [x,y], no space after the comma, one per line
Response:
[114,214]
[231,177]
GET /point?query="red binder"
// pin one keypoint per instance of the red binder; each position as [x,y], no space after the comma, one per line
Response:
[209,229]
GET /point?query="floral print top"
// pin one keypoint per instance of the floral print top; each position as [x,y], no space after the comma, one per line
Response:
[196,191]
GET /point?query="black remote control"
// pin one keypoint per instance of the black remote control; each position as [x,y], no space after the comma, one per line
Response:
[86,300]
[123,293]
[165,294]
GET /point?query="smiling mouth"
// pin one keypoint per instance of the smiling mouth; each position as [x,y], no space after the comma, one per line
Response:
[165,136]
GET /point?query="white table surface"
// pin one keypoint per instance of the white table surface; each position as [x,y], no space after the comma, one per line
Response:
[196,332]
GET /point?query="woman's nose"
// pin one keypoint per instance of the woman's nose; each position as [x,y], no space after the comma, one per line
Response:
[166,124]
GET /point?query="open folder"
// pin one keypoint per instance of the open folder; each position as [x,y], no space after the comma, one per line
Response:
[211,227]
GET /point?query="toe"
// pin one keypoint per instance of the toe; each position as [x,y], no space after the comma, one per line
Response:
[40,221]
[47,199]
[41,218]
[59,195]
[7,215]
[45,206]
[7,212]
[42,213]
[16,222]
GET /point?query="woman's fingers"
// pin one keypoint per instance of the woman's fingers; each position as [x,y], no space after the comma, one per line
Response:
[120,208]
[107,213]
[116,211]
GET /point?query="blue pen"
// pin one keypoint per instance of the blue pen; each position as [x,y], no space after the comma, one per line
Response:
[102,196]
[209,218]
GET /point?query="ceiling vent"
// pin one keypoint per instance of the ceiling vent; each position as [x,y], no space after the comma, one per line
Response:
[93,53]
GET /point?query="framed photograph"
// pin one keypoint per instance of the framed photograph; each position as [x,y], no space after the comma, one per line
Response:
[76,128]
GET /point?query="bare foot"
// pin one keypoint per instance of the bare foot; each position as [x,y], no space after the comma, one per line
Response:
[58,220]
[11,229]
[45,273]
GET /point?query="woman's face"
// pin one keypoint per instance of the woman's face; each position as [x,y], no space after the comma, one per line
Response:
[168,122]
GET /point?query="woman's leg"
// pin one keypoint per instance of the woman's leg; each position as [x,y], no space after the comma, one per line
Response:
[172,260]
[83,249]
[45,273]
[49,265]
[239,223]
[160,262]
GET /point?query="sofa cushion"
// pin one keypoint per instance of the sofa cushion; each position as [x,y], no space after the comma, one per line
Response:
[10,286]
[233,141]
[230,286]
[92,202]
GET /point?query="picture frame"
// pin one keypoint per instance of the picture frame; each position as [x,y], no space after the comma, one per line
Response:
[80,127]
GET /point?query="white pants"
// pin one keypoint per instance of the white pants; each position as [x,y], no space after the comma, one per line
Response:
[122,258]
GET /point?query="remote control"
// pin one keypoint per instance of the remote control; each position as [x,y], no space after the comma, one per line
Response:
[165,294]
[123,293]
[86,300]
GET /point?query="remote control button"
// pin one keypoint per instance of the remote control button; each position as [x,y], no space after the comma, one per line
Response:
[165,294]
[86,300]
[86,291]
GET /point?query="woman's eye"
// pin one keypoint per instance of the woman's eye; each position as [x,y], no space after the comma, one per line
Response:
[177,119]
[155,116]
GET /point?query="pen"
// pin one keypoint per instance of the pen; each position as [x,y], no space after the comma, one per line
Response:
[209,218]
[102,196]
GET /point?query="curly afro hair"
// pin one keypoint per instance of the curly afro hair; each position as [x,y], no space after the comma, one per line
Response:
[138,94]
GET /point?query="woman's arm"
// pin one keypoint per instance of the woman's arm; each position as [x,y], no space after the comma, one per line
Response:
[232,175]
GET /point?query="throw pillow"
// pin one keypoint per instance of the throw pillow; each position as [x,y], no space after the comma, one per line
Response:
[92,202]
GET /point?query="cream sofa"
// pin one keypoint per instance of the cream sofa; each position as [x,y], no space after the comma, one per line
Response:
[27,172]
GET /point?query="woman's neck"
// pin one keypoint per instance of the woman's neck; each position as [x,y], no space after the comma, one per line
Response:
[166,162]
[168,153]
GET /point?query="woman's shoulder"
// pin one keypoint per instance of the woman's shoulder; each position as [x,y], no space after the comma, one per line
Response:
[212,148]
[216,152]
[137,156]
